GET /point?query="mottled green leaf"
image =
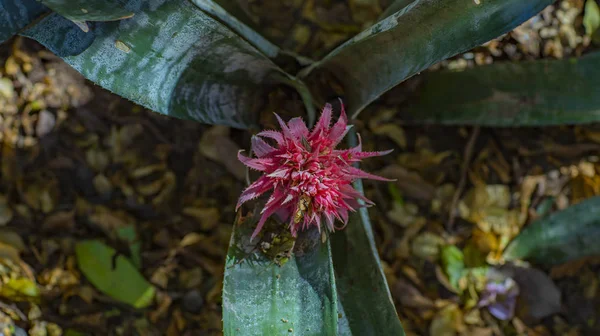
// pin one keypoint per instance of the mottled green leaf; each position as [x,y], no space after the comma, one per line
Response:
[361,284]
[560,237]
[453,261]
[170,57]
[591,18]
[216,9]
[544,92]
[113,274]
[263,298]
[89,10]
[16,14]
[414,38]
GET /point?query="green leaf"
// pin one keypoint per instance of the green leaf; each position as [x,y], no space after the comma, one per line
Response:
[453,261]
[16,14]
[361,284]
[130,236]
[560,237]
[591,18]
[263,298]
[411,40]
[170,57]
[215,9]
[73,332]
[544,92]
[19,289]
[122,282]
[89,10]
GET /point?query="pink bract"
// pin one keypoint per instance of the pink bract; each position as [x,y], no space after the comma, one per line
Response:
[309,178]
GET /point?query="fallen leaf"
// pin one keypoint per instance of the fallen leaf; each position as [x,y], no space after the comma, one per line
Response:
[591,18]
[216,145]
[411,184]
[6,214]
[59,221]
[208,218]
[191,239]
[19,289]
[45,124]
[427,246]
[447,322]
[122,282]
[409,296]
[539,296]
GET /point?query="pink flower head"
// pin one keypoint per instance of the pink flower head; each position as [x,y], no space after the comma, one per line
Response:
[310,179]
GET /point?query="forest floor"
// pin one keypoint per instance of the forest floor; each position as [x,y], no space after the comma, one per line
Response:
[77,162]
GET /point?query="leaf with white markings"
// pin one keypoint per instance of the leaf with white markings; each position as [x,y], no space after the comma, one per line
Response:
[170,57]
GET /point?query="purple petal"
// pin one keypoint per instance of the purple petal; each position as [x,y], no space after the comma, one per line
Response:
[359,174]
[287,133]
[258,164]
[270,208]
[339,129]
[298,128]
[254,190]
[260,147]
[277,136]
[324,121]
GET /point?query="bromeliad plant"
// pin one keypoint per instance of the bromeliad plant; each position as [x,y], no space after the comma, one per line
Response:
[200,60]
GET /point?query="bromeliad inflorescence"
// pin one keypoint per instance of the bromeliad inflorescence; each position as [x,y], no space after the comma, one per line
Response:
[310,179]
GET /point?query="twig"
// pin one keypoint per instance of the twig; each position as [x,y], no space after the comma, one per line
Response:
[467,156]
[13,307]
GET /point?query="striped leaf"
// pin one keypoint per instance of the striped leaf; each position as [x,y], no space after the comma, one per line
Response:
[170,57]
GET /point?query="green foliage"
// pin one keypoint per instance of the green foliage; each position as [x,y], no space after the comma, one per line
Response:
[361,285]
[170,57]
[560,237]
[113,274]
[453,261]
[411,40]
[89,10]
[263,296]
[591,20]
[16,14]
[547,92]
[215,8]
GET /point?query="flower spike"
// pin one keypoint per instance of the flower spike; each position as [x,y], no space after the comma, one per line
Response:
[310,180]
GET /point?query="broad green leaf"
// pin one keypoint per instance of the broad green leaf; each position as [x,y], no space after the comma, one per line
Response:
[414,38]
[215,9]
[170,57]
[16,14]
[361,284]
[89,10]
[591,18]
[560,237]
[544,92]
[20,289]
[262,298]
[453,261]
[113,274]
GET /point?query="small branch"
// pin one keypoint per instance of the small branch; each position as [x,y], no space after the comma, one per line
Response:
[467,156]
